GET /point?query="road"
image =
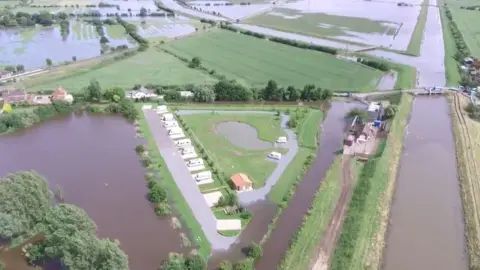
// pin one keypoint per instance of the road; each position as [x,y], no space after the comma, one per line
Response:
[171,4]
[187,186]
[249,197]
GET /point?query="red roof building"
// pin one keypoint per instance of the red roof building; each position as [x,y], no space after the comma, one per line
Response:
[241,182]
[59,94]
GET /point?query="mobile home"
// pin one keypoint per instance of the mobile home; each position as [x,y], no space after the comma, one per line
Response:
[167,117]
[188,150]
[174,130]
[282,139]
[195,162]
[202,175]
[162,109]
[275,155]
[168,124]
[183,142]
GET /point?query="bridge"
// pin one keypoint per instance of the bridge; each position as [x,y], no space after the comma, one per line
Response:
[362,97]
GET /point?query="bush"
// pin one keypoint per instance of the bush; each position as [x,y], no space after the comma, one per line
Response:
[225,265]
[162,209]
[243,265]
[292,122]
[139,149]
[254,251]
[380,65]
[157,194]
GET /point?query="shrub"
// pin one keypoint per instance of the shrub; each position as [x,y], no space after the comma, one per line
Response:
[243,265]
[162,209]
[225,265]
[254,251]
[139,149]
[157,194]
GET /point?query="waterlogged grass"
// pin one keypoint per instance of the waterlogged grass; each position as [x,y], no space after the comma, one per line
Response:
[146,67]
[115,31]
[467,142]
[417,36]
[452,72]
[174,194]
[361,242]
[254,61]
[230,158]
[308,131]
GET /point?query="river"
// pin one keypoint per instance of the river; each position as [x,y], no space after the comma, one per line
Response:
[426,225]
[93,160]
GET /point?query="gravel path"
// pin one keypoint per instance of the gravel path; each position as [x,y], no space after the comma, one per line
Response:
[183,178]
[249,197]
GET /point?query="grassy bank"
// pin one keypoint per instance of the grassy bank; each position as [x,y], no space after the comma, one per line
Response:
[361,242]
[467,138]
[417,36]
[452,73]
[179,204]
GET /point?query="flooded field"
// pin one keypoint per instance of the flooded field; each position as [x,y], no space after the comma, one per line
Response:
[288,223]
[367,22]
[235,11]
[93,160]
[426,225]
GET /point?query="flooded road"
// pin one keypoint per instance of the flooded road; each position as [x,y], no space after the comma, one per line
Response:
[426,228]
[93,160]
[288,223]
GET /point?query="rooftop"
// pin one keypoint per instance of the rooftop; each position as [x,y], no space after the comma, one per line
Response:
[241,180]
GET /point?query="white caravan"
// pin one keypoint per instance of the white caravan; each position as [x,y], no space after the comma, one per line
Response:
[169,124]
[275,155]
[174,130]
[202,175]
[195,162]
[146,107]
[167,117]
[282,139]
[183,142]
[162,109]
[188,150]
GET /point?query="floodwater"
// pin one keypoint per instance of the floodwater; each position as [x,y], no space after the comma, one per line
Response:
[426,225]
[242,135]
[93,160]
[290,220]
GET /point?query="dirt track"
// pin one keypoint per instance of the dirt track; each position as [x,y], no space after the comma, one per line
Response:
[327,245]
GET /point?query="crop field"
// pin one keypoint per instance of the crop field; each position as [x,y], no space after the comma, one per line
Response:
[467,135]
[143,68]
[255,61]
[467,22]
[361,243]
[361,22]
[230,158]
[84,31]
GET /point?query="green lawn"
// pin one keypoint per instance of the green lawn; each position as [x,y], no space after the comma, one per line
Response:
[255,61]
[175,196]
[115,31]
[230,158]
[143,68]
[318,24]
[417,36]
[451,65]
[307,133]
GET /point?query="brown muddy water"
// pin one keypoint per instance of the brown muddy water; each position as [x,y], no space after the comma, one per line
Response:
[426,228]
[93,160]
[331,140]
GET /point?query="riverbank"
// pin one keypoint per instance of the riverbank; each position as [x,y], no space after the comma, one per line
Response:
[362,240]
[467,135]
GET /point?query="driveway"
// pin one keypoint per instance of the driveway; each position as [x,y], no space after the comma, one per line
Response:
[249,197]
[183,178]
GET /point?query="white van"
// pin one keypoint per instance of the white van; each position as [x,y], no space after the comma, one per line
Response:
[167,117]
[188,150]
[195,162]
[174,130]
[203,175]
[162,109]
[282,139]
[146,107]
[275,155]
[183,142]
[168,124]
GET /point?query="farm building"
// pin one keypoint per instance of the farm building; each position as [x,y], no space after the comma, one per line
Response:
[16,96]
[61,94]
[241,182]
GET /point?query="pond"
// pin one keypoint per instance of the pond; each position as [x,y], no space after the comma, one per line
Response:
[92,159]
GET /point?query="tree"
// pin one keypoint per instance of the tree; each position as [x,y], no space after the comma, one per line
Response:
[390,111]
[175,262]
[203,93]
[127,109]
[10,226]
[195,262]
[307,92]
[272,92]
[361,115]
[74,58]
[157,194]
[143,12]
[195,62]
[48,61]
[327,94]
[110,93]
[20,68]
[292,94]
[162,209]
[104,40]
[172,96]
[225,265]
[254,251]
[243,265]
[226,90]
[10,68]
[93,92]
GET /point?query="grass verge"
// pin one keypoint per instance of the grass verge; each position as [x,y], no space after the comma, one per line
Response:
[452,73]
[361,242]
[467,138]
[417,35]
[174,194]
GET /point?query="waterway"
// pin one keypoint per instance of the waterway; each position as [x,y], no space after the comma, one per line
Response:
[93,160]
[333,128]
[426,225]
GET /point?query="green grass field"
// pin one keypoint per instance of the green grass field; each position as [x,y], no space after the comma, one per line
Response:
[143,68]
[175,196]
[318,24]
[116,31]
[361,243]
[230,158]
[467,22]
[255,61]
[417,35]
[451,65]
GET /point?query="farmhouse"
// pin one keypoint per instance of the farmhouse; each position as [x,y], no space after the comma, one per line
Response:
[61,94]
[141,93]
[241,182]
[16,96]
[5,73]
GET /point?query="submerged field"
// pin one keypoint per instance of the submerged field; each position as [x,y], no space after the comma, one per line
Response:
[143,68]
[223,148]
[255,61]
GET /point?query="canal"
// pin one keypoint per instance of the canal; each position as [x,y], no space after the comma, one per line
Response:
[93,160]
[426,228]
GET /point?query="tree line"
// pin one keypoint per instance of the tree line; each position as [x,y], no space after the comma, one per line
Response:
[69,233]
[10,19]
[131,29]
[380,65]
[461,46]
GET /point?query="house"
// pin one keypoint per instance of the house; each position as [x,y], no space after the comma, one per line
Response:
[5,73]
[61,94]
[140,93]
[241,182]
[186,94]
[375,111]
[16,96]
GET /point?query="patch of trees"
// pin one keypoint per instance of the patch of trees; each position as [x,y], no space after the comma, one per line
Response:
[69,234]
[107,5]
[161,7]
[290,42]
[211,22]
[64,28]
[15,69]
[380,65]
[473,111]
[460,44]
[9,19]
[178,262]
[131,29]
